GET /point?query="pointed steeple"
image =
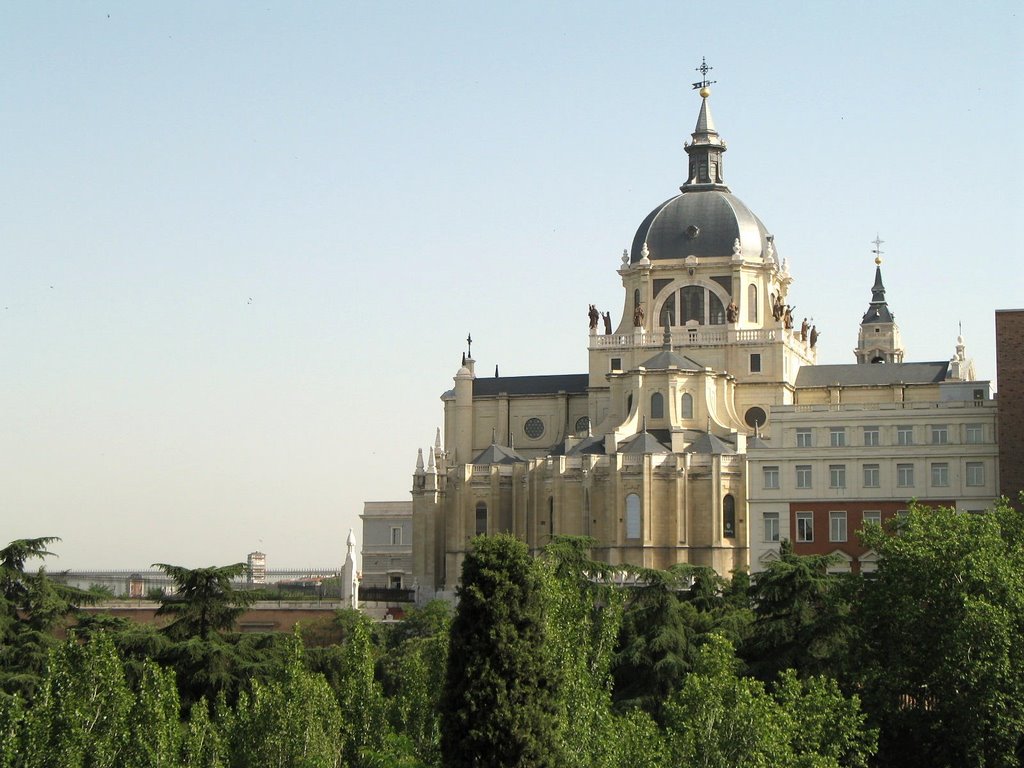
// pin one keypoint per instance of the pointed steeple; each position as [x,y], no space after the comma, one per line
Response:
[879,337]
[706,148]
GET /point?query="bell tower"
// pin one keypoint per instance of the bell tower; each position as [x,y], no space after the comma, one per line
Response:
[879,338]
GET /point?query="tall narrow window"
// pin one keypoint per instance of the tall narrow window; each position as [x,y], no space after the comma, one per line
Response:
[687,406]
[837,437]
[632,516]
[752,303]
[629,404]
[657,406]
[729,517]
[771,526]
[693,304]
[904,475]
[481,519]
[837,526]
[805,526]
[551,515]
[803,476]
[975,473]
[975,433]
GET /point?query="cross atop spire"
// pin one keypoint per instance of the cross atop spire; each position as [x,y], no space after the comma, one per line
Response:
[877,250]
[469,345]
[704,82]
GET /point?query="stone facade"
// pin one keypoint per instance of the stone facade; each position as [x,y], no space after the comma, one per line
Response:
[387,544]
[659,450]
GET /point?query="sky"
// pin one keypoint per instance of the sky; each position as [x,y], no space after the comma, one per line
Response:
[241,244]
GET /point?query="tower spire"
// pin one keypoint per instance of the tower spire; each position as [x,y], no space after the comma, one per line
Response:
[706,148]
[879,337]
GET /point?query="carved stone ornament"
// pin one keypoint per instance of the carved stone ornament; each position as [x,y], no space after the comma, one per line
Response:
[736,247]
[625,256]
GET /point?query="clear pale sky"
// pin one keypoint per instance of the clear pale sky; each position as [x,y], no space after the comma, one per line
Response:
[241,244]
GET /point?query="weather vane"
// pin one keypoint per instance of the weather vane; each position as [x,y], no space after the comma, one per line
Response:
[877,250]
[469,344]
[704,69]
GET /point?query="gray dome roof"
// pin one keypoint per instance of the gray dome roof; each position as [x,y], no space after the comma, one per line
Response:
[701,223]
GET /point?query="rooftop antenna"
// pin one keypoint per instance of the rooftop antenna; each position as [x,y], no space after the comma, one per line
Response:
[704,82]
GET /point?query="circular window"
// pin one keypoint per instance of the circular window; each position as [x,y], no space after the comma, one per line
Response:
[582,425]
[755,417]
[692,231]
[534,428]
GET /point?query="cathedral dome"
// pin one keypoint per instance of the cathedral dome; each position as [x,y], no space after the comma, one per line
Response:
[703,223]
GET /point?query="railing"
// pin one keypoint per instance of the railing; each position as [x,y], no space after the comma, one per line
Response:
[386,595]
[695,336]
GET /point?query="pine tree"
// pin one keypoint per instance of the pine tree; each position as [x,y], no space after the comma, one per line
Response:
[499,706]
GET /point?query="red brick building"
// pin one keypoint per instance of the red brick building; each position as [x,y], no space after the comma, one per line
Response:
[1010,418]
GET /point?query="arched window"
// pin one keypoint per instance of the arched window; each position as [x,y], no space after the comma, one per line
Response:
[632,516]
[752,303]
[729,517]
[629,403]
[551,515]
[636,299]
[687,406]
[481,519]
[692,303]
[657,406]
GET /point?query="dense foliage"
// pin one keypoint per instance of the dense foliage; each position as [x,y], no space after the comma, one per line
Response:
[550,661]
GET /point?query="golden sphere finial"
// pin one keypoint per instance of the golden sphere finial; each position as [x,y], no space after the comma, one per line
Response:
[878,260]
[705,92]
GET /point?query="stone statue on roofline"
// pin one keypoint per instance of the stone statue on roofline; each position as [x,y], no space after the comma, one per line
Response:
[607,323]
[638,316]
[593,314]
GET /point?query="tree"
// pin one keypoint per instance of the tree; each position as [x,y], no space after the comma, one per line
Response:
[801,616]
[30,605]
[205,600]
[499,706]
[291,721]
[943,663]
[80,716]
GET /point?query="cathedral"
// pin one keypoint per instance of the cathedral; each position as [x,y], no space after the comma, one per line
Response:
[704,431]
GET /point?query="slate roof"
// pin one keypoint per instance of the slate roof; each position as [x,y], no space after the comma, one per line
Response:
[591,445]
[708,443]
[757,442]
[497,454]
[872,374]
[572,383]
[643,443]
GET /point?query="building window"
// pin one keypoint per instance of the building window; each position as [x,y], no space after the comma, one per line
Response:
[837,437]
[837,526]
[729,516]
[771,526]
[905,475]
[551,515]
[803,437]
[755,363]
[975,473]
[870,436]
[687,406]
[872,516]
[752,303]
[632,516]
[940,434]
[582,426]
[657,406]
[616,364]
[940,474]
[805,526]
[396,536]
[975,434]
[395,581]
[904,435]
[803,475]
[629,403]
[771,478]
[533,428]
[836,475]
[871,476]
[481,519]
